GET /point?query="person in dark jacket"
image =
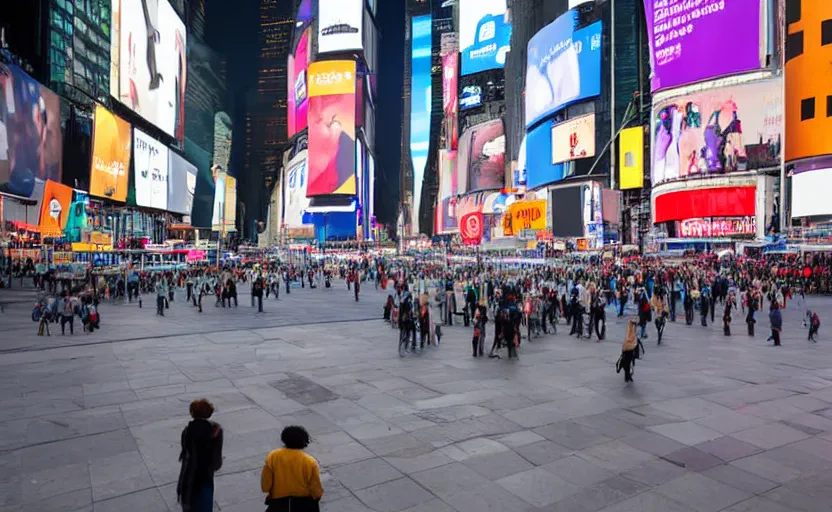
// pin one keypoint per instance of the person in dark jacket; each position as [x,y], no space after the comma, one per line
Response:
[752,308]
[776,319]
[201,457]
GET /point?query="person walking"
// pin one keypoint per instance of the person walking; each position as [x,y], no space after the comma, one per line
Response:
[814,325]
[776,319]
[291,478]
[67,314]
[201,457]
[628,350]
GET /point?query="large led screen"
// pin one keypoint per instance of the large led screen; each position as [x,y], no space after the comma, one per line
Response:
[111,149]
[420,106]
[181,184]
[450,97]
[151,62]
[563,66]
[717,131]
[296,91]
[222,140]
[448,191]
[540,170]
[54,208]
[810,193]
[573,139]
[203,206]
[295,201]
[31,142]
[694,41]
[230,219]
[218,219]
[484,35]
[340,25]
[331,128]
[150,160]
[482,151]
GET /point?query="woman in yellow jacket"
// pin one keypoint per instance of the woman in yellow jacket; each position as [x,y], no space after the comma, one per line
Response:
[291,478]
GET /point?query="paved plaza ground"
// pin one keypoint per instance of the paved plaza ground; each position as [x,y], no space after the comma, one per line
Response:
[92,422]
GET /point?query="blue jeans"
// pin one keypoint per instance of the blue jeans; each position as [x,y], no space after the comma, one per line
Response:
[203,500]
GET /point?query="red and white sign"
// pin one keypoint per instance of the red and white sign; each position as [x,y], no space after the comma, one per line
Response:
[717,227]
[470,227]
[705,203]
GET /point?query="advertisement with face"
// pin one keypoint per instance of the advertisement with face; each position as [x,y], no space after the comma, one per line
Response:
[420,107]
[150,159]
[573,139]
[152,62]
[482,155]
[331,128]
[717,131]
[111,149]
[181,184]
[340,25]
[297,93]
[54,208]
[484,35]
[31,142]
[295,201]
[683,45]
[563,66]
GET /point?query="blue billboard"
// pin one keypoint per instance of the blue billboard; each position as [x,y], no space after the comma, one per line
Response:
[420,105]
[564,66]
[540,170]
[484,35]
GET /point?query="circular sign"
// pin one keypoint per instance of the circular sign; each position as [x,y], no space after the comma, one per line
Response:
[54,208]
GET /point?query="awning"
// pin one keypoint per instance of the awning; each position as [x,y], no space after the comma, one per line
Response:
[495,203]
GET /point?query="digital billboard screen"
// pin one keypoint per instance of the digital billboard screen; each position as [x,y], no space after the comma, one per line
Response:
[482,151]
[54,208]
[295,201]
[150,161]
[181,184]
[331,128]
[484,35]
[810,193]
[230,219]
[297,90]
[31,142]
[420,106]
[149,62]
[340,25]
[222,140]
[111,150]
[218,219]
[573,139]
[563,66]
[684,49]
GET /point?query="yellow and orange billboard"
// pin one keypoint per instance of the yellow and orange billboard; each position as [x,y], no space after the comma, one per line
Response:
[54,209]
[631,158]
[110,156]
[524,215]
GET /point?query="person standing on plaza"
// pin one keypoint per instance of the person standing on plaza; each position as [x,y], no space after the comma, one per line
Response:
[201,457]
[291,478]
[67,314]
[257,291]
[628,350]
[355,276]
[776,319]
[752,304]
[161,296]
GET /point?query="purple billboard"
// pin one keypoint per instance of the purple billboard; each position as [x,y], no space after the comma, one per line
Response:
[696,40]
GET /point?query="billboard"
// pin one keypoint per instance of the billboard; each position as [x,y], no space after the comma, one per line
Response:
[111,148]
[202,209]
[810,193]
[150,162]
[296,91]
[150,41]
[331,128]
[631,158]
[54,209]
[522,215]
[573,139]
[484,35]
[31,142]
[448,190]
[470,97]
[295,201]
[568,212]
[482,156]
[218,218]
[230,218]
[540,170]
[222,140]
[340,25]
[420,107]
[730,201]
[181,184]
[721,130]
[683,48]
[563,66]
[450,83]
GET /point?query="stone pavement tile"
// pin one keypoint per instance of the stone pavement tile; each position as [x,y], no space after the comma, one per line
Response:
[654,472]
[607,424]
[687,432]
[537,415]
[434,505]
[766,467]
[538,487]
[689,408]
[508,403]
[650,501]
[772,410]
[236,488]
[411,422]
[388,445]
[498,465]
[739,479]
[75,451]
[518,439]
[391,383]
[160,391]
[471,448]
[454,477]
[105,387]
[149,500]
[730,422]
[692,459]
[650,442]
[246,420]
[313,422]
[542,452]
[453,413]
[644,416]
[73,424]
[333,489]
[572,435]
[366,473]
[385,405]
[578,471]
[119,475]
[750,394]
[799,459]
[770,436]
[809,493]
[728,448]
[810,423]
[803,402]
[615,456]
[75,501]
[757,504]
[110,398]
[254,505]
[815,446]
[372,429]
[47,483]
[489,498]
[344,413]
[414,460]
[345,504]
[270,400]
[599,495]
[338,448]
[701,493]
[394,496]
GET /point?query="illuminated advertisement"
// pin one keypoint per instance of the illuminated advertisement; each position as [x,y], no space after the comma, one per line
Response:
[295,201]
[522,215]
[573,139]
[151,63]
[540,170]
[420,107]
[717,131]
[717,227]
[808,81]
[450,83]
[54,208]
[682,43]
[339,25]
[631,158]
[331,128]
[484,35]
[181,184]
[218,218]
[111,148]
[471,97]
[222,140]
[202,209]
[230,218]
[150,160]
[297,93]
[810,193]
[471,228]
[739,201]
[563,66]
[448,190]
[482,155]
[31,142]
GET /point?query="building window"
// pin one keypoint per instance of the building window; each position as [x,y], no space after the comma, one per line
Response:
[794,45]
[826,32]
[807,109]
[829,106]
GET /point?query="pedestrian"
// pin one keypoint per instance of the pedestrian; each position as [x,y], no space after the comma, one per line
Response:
[357,283]
[291,478]
[751,298]
[726,317]
[67,314]
[776,319]
[814,325]
[628,350]
[201,457]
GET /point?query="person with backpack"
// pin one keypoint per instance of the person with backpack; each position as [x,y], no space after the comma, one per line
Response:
[645,313]
[201,457]
[628,351]
[814,325]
